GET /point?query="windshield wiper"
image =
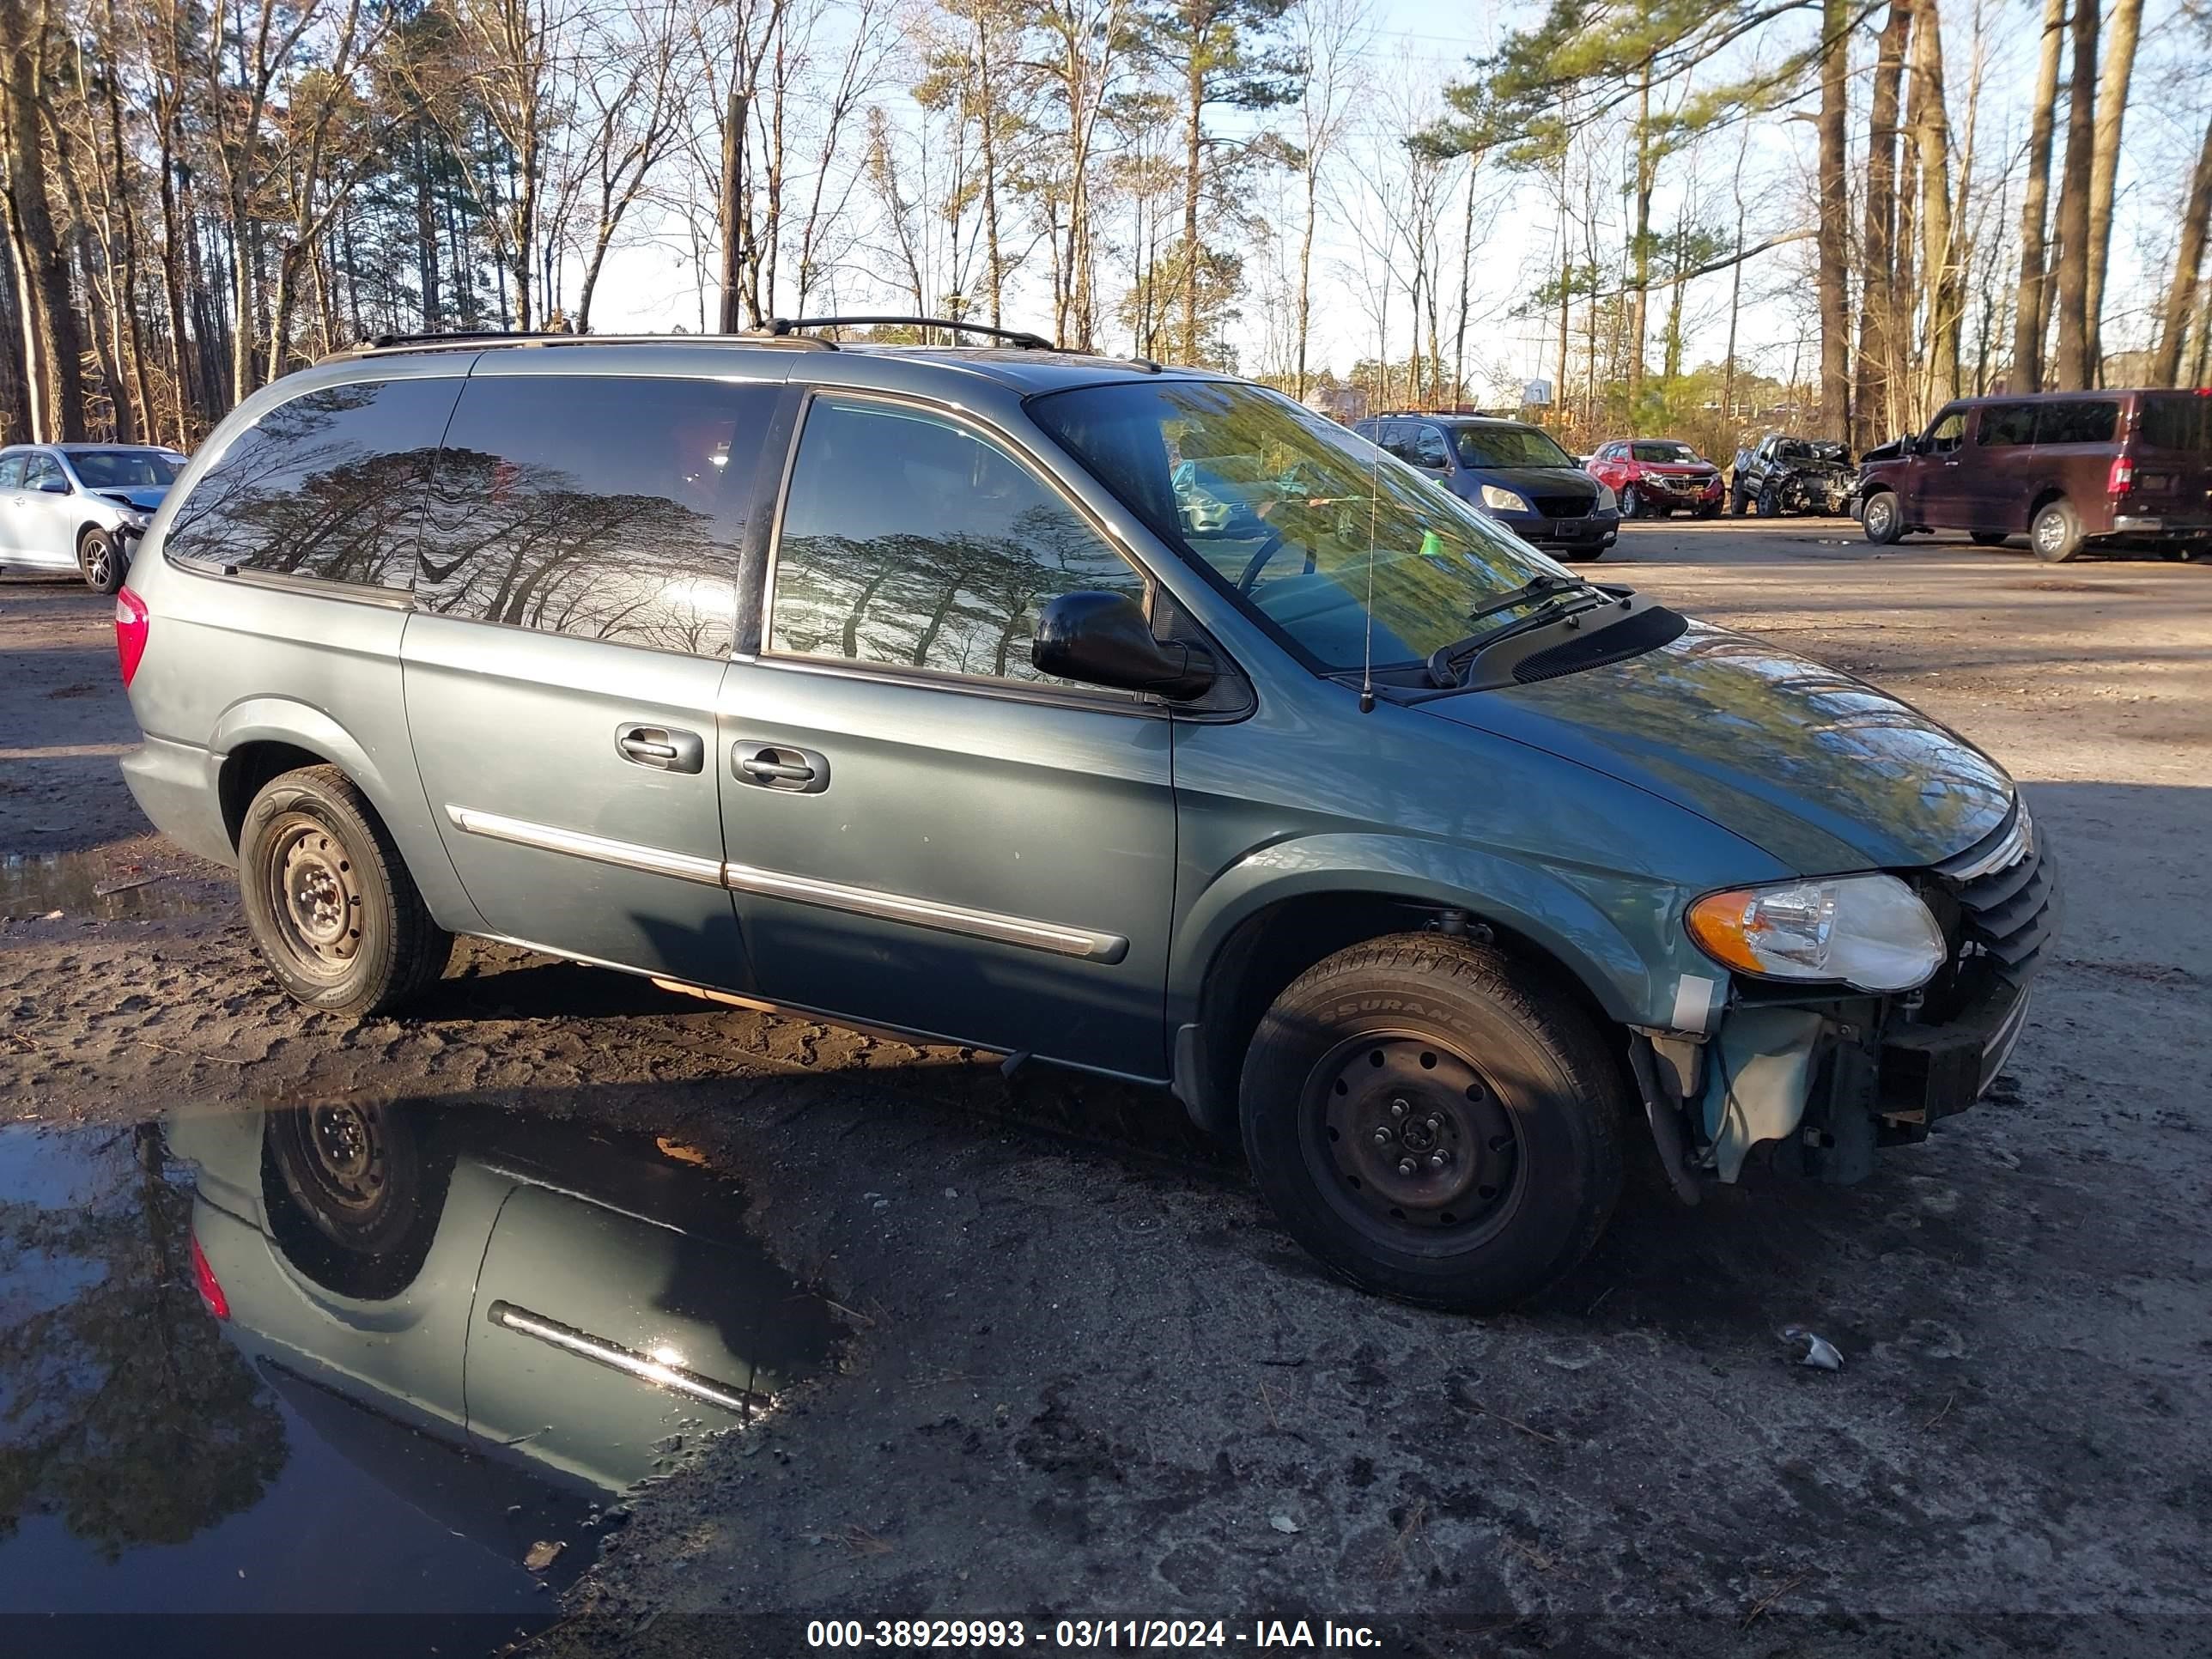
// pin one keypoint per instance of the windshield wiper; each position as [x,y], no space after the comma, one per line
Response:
[1543,589]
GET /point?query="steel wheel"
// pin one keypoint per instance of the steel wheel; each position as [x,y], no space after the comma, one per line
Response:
[348,1162]
[1409,1139]
[315,896]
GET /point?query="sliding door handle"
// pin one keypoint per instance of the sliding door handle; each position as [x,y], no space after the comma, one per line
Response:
[662,748]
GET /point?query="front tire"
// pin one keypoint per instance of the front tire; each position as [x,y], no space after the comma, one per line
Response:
[1432,1125]
[329,901]
[1770,504]
[2056,533]
[100,561]
[1882,520]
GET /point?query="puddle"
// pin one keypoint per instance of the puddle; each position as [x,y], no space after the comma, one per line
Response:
[359,1359]
[92,884]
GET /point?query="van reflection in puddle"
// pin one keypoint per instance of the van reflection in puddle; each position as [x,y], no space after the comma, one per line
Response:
[553,1296]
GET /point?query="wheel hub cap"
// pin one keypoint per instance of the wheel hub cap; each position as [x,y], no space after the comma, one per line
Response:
[347,1147]
[1414,1133]
[320,902]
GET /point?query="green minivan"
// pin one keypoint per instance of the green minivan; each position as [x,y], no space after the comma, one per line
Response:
[905,686]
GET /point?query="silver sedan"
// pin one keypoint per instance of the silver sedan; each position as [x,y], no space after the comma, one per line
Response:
[79,507]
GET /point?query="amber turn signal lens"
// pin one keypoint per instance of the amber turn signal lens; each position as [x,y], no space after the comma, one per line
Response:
[1719,922]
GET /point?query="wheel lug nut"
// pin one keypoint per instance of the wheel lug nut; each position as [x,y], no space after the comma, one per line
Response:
[1438,1159]
[1434,1121]
[1397,1108]
[1406,1166]
[1381,1137]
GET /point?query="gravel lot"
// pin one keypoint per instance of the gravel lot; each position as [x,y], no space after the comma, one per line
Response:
[1085,1375]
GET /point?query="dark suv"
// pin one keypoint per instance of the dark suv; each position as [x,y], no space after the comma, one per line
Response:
[2073,470]
[1510,472]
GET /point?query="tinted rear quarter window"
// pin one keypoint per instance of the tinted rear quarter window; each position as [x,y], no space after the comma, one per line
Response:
[2078,421]
[328,486]
[597,507]
[2177,420]
[11,472]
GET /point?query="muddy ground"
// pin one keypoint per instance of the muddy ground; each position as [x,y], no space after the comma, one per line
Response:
[1085,1375]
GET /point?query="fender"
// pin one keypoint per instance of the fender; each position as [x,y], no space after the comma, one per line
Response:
[1569,920]
[398,799]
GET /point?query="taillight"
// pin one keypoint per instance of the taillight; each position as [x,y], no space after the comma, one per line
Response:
[133,621]
[212,1296]
[2122,478]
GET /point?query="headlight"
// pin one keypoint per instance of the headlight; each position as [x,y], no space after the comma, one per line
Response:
[1607,501]
[1502,500]
[1870,932]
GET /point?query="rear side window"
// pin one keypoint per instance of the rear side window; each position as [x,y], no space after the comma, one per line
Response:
[11,472]
[2079,421]
[328,486]
[2006,425]
[596,507]
[2183,421]
[940,561]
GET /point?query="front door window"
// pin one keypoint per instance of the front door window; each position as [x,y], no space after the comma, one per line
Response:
[912,541]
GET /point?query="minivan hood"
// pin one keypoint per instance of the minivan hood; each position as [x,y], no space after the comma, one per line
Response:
[1823,771]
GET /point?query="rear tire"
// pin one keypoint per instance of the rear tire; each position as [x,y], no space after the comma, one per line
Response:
[2055,532]
[1631,502]
[358,1192]
[1739,503]
[1419,1050]
[329,900]
[99,561]
[1883,520]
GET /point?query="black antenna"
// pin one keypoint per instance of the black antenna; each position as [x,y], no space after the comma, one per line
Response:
[1367,652]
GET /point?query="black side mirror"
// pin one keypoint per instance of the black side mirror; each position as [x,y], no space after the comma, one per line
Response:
[1103,639]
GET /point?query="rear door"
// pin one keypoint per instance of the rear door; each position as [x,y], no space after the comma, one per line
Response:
[2000,480]
[924,831]
[575,604]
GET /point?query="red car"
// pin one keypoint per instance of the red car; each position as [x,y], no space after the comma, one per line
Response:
[1657,476]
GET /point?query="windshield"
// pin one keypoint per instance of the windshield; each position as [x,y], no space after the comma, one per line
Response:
[126,469]
[1291,542]
[1664,453]
[1509,445]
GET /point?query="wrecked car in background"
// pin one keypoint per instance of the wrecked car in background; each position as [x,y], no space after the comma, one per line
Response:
[1782,475]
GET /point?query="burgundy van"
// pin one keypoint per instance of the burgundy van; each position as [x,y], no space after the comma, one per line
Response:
[2073,470]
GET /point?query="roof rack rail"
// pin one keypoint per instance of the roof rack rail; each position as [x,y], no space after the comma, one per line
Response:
[462,338]
[780,326]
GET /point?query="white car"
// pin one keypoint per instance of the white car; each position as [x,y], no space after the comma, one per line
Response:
[79,507]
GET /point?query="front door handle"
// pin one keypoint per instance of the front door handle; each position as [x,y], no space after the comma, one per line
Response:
[662,748]
[780,765]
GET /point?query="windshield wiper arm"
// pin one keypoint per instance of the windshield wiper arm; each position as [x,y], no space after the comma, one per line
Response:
[1544,589]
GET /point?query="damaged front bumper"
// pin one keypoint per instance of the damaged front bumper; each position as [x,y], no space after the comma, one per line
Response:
[1825,1081]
